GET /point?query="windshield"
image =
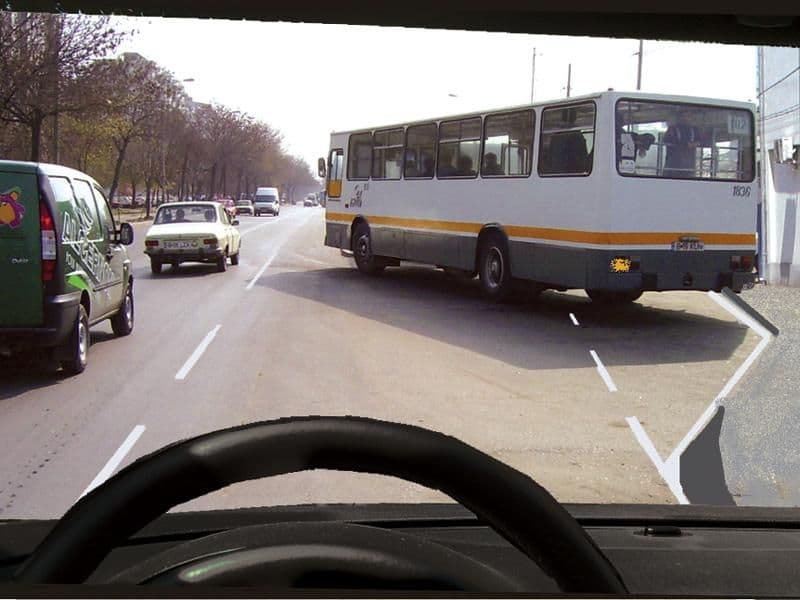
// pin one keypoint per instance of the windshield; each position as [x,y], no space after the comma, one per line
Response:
[574,276]
[188,213]
[671,140]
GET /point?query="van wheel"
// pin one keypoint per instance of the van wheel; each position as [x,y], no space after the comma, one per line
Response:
[122,322]
[607,297]
[235,258]
[362,252]
[494,267]
[155,266]
[77,345]
[222,262]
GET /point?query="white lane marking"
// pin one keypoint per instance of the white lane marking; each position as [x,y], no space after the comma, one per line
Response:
[113,462]
[670,470]
[275,252]
[603,372]
[574,320]
[198,352]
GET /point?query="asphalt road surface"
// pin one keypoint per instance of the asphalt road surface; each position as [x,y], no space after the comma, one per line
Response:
[294,329]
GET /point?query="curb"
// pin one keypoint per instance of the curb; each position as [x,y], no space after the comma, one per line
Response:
[734,297]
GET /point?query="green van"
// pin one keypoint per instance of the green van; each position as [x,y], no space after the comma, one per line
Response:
[63,263]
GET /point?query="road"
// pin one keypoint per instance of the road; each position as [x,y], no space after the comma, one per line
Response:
[294,329]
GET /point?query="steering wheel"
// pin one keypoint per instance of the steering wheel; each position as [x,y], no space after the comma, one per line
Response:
[510,502]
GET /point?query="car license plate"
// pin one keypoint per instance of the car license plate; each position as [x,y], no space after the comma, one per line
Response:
[688,245]
[179,245]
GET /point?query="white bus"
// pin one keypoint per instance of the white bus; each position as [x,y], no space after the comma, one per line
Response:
[614,193]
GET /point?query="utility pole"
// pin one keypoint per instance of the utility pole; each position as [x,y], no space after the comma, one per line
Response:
[639,72]
[569,78]
[533,73]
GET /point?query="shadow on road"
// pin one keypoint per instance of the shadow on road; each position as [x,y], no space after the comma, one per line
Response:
[185,271]
[524,333]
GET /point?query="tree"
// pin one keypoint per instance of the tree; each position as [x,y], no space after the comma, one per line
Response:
[46,61]
[140,92]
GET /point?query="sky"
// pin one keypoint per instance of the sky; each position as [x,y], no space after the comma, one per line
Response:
[307,80]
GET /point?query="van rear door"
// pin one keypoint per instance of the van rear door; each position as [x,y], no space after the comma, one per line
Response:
[21,293]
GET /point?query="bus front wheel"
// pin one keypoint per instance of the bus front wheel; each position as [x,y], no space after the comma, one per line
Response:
[362,251]
[494,267]
[607,297]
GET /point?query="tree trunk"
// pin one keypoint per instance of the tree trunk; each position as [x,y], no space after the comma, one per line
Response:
[212,181]
[181,195]
[133,193]
[36,137]
[147,198]
[224,182]
[118,169]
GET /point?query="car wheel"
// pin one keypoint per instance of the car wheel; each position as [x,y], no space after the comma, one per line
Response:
[235,258]
[222,262]
[122,322]
[362,252]
[77,345]
[494,267]
[155,266]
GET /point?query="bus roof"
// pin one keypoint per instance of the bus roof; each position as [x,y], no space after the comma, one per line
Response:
[561,101]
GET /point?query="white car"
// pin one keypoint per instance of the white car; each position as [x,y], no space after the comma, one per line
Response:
[192,232]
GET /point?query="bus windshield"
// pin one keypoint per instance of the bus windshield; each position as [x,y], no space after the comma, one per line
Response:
[684,141]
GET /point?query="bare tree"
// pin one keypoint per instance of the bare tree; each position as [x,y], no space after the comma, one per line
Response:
[46,61]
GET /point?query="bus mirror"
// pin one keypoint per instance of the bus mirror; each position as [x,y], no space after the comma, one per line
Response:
[321,167]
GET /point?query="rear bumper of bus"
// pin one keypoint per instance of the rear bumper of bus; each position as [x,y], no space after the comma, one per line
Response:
[666,270]
[59,317]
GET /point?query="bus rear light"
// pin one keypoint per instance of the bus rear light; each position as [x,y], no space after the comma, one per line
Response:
[742,263]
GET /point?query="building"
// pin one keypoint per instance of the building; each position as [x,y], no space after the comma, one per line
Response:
[779,139]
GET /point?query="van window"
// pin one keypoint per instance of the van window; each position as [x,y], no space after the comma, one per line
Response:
[103,210]
[87,204]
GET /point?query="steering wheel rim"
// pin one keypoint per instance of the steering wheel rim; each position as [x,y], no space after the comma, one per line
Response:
[510,502]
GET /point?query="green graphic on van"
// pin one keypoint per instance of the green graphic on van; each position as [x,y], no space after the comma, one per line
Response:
[11,209]
[82,252]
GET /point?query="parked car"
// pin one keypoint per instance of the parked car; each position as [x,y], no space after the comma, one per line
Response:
[267,201]
[67,267]
[244,207]
[192,232]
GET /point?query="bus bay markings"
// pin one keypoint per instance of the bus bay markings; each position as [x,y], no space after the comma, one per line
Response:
[604,374]
[115,460]
[670,469]
[198,352]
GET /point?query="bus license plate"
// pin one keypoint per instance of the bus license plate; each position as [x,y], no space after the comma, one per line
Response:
[687,246]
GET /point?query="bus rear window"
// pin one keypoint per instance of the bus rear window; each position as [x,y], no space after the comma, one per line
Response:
[684,141]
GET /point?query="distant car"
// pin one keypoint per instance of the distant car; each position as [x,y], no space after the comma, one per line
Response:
[244,207]
[267,201]
[192,232]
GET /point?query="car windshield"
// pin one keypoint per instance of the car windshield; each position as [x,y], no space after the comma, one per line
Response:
[188,213]
[570,261]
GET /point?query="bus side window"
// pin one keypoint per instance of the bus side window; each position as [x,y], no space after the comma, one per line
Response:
[567,141]
[359,156]
[420,151]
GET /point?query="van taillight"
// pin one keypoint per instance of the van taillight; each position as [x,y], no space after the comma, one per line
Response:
[49,249]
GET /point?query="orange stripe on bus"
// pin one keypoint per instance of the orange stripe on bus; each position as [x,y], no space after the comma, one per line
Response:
[621,238]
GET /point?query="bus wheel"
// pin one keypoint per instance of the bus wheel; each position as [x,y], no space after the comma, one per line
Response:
[494,268]
[362,252]
[607,297]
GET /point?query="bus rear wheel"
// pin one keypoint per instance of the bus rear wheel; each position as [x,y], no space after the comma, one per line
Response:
[494,267]
[607,297]
[362,251]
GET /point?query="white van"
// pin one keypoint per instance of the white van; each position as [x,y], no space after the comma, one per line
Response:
[267,200]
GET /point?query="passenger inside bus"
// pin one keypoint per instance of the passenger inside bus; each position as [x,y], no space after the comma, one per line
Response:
[568,153]
[446,168]
[682,140]
[465,166]
[427,167]
[491,166]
